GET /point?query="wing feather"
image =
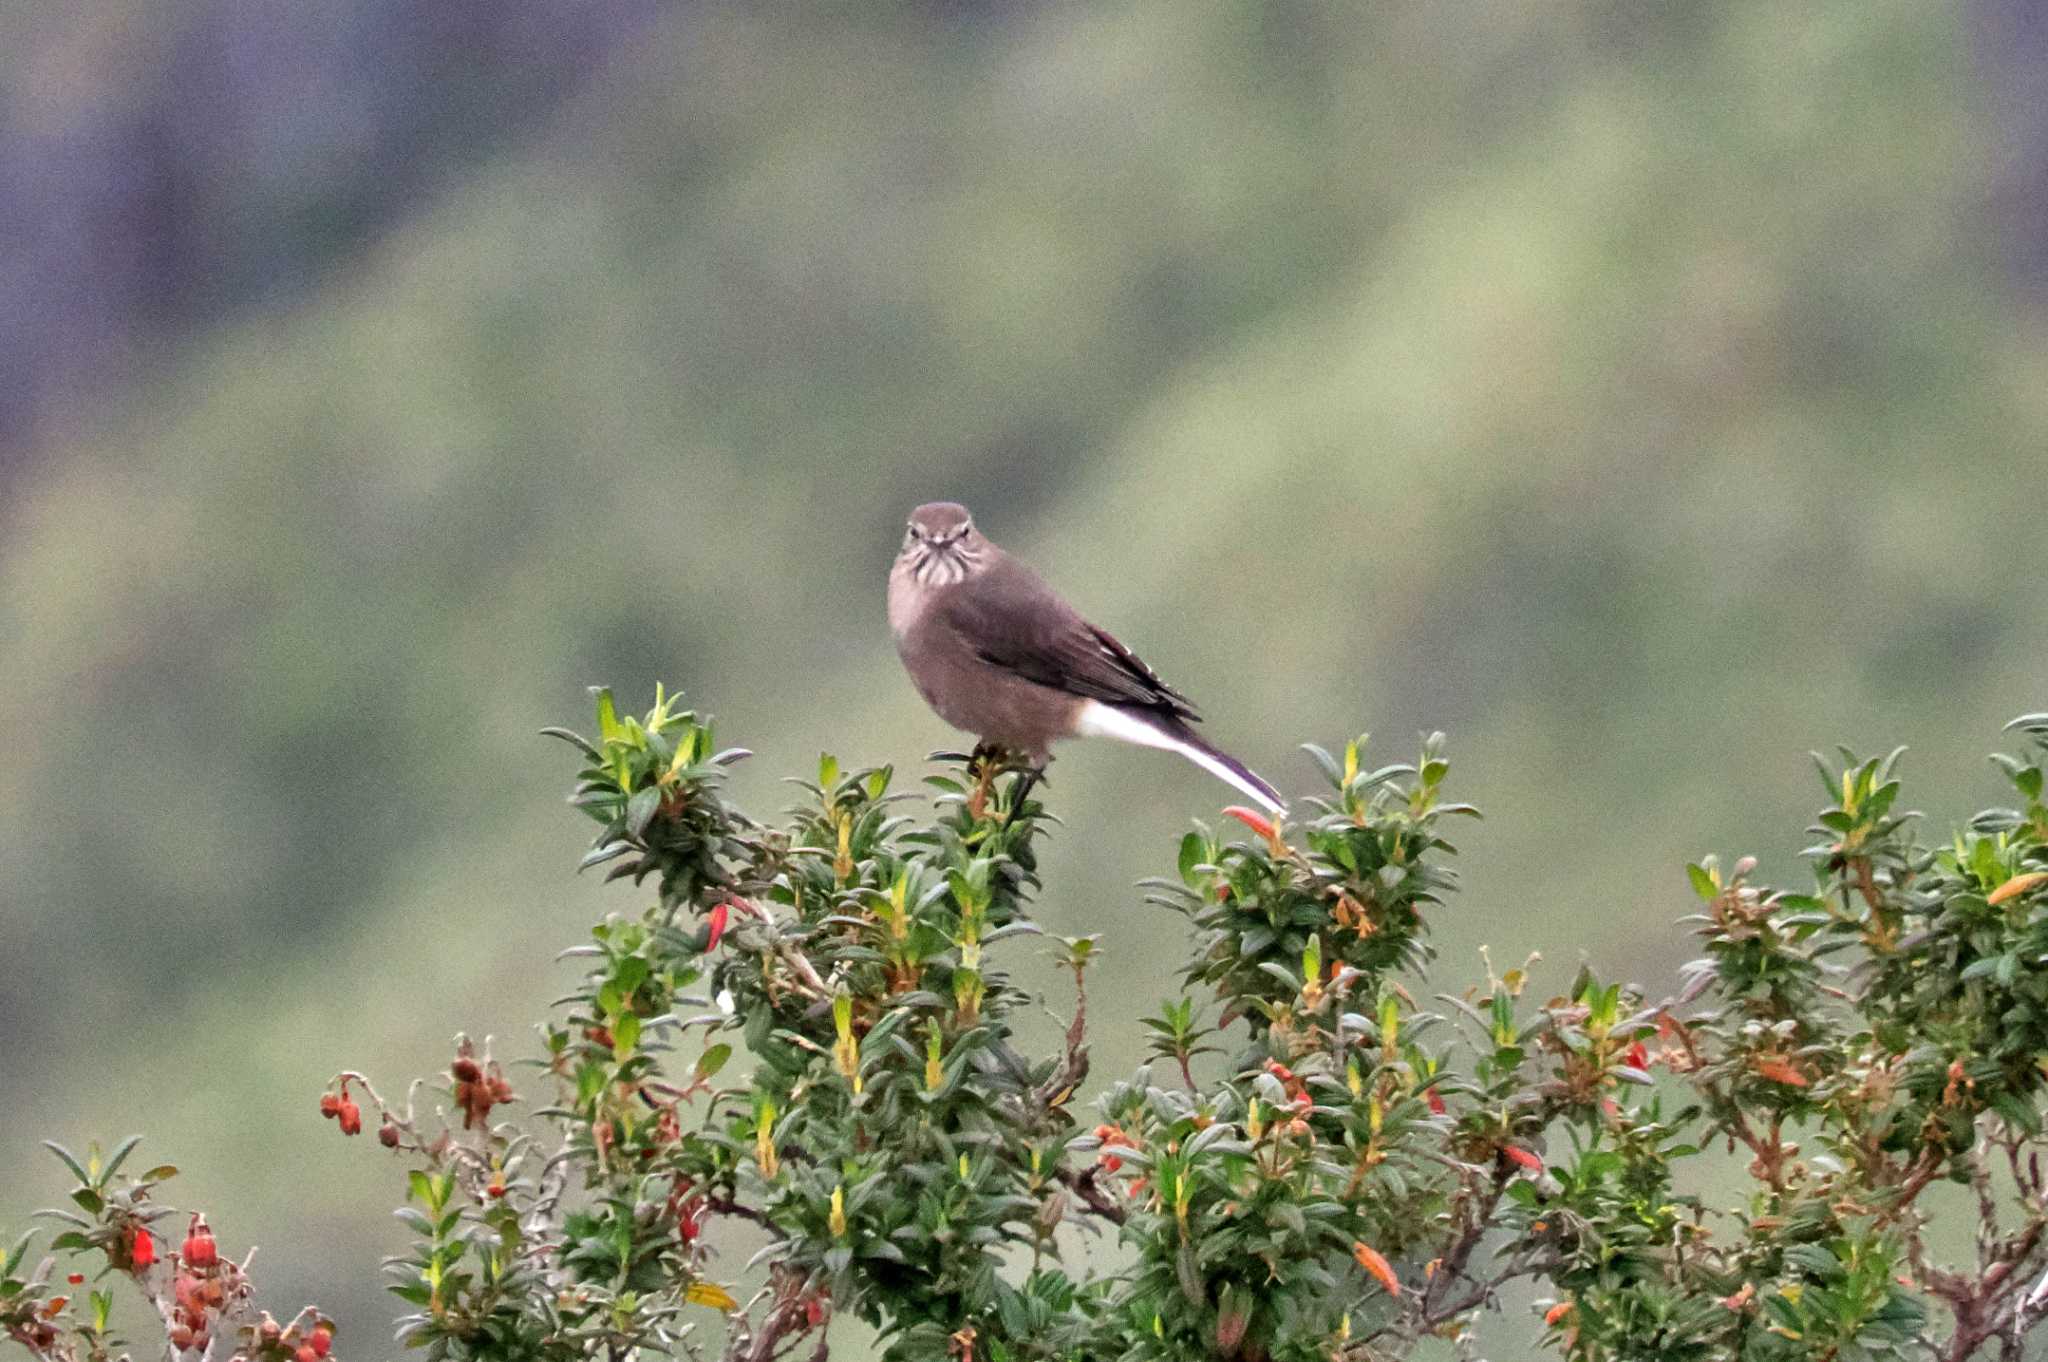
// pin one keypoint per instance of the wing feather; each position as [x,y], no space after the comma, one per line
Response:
[1014,621]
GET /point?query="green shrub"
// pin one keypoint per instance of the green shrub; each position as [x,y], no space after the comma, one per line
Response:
[1321,1161]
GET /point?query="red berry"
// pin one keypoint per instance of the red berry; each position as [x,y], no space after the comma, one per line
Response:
[142,1248]
[76,1278]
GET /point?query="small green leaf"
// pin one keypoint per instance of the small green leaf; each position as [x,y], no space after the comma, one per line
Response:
[712,1060]
[70,1161]
[640,809]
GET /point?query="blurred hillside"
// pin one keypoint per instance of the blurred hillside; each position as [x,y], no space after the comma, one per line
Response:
[1640,394]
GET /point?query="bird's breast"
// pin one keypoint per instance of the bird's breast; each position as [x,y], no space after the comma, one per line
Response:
[908,599]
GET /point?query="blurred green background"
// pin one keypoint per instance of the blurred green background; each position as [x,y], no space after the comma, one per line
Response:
[1645,394]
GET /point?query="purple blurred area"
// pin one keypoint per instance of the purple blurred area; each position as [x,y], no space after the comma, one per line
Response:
[2012,55]
[224,155]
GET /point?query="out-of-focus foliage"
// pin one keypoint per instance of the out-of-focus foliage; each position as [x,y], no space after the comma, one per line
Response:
[1632,391]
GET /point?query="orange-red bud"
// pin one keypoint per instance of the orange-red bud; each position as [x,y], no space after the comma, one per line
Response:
[142,1248]
[1523,1157]
[1251,819]
[351,1118]
[200,1250]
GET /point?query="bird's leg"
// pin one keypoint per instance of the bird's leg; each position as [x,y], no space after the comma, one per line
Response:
[1032,774]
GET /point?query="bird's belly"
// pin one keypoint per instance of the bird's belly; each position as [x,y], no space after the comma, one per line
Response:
[1008,711]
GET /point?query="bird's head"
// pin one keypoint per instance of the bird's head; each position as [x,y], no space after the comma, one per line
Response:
[941,545]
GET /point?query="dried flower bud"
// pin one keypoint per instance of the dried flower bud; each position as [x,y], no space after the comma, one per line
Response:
[465,1069]
[387,1134]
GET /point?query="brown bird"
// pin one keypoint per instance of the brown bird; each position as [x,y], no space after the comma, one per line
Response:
[996,652]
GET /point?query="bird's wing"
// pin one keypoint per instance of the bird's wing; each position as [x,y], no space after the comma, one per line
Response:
[1014,621]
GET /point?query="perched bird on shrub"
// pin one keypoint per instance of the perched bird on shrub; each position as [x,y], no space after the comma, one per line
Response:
[996,652]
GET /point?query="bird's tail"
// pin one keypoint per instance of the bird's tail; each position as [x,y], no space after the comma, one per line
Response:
[1148,729]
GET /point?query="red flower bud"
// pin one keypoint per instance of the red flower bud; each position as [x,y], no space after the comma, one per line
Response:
[1523,1157]
[76,1279]
[1436,1101]
[387,1134]
[322,1338]
[305,1353]
[200,1250]
[1638,1056]
[351,1118]
[182,1338]
[142,1248]
[465,1069]
[717,917]
[1251,819]
[330,1105]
